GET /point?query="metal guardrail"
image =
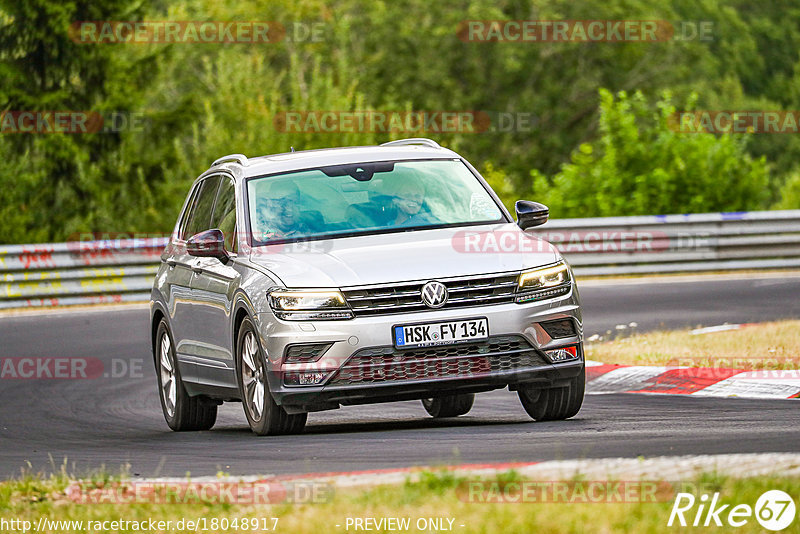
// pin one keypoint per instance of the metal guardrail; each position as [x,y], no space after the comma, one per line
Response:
[678,243]
[81,272]
[92,272]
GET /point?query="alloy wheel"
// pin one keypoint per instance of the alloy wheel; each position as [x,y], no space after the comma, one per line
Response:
[253,377]
[167,370]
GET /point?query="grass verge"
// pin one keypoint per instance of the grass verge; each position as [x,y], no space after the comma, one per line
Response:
[436,495]
[768,346]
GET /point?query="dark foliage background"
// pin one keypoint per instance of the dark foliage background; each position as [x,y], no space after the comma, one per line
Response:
[600,144]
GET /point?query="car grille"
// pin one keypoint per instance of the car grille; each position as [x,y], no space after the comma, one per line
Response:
[387,364]
[404,297]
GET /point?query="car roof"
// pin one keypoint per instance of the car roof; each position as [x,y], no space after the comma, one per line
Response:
[244,167]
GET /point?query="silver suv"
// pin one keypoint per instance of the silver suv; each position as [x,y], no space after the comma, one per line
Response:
[304,281]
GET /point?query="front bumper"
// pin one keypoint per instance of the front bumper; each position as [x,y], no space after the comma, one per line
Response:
[385,374]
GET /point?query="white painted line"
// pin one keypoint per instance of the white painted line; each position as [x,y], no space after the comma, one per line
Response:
[667,468]
[681,278]
[778,384]
[626,379]
[713,329]
[782,376]
[673,468]
[750,389]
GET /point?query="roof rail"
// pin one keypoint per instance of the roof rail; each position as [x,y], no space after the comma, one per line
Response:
[414,141]
[241,159]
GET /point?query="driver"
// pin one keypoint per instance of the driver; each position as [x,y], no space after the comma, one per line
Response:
[407,201]
[278,212]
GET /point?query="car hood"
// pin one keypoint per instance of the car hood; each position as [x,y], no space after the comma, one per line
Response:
[405,256]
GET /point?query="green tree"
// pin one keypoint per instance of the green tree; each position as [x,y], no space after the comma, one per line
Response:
[205,100]
[641,166]
[790,193]
[64,180]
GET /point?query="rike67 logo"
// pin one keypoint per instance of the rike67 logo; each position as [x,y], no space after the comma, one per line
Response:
[774,510]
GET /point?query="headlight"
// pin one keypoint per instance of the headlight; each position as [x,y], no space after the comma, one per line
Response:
[544,282]
[309,304]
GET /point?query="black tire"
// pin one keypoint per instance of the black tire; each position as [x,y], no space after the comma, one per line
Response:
[451,406]
[271,419]
[185,413]
[554,404]
[297,423]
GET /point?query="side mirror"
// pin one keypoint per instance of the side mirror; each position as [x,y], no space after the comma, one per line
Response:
[530,214]
[208,244]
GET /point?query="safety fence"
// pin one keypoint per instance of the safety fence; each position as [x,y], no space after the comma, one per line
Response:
[78,272]
[678,243]
[122,270]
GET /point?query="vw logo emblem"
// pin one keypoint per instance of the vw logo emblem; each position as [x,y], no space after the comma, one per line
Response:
[434,294]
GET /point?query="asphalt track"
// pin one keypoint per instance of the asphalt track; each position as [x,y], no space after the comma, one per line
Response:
[104,423]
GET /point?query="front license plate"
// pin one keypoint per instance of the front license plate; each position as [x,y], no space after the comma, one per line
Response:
[441,333]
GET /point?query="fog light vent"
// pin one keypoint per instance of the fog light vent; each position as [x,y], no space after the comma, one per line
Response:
[306,352]
[559,328]
[304,379]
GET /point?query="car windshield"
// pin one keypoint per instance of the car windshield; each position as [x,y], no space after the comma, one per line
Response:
[369,197]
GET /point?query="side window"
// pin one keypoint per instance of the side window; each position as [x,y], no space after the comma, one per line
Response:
[224,216]
[200,218]
[190,206]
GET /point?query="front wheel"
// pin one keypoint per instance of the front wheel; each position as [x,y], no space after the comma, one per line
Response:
[181,411]
[263,414]
[451,406]
[554,404]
